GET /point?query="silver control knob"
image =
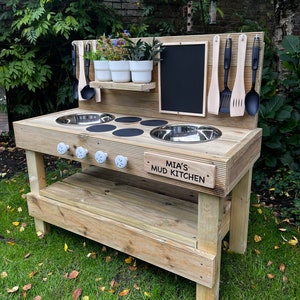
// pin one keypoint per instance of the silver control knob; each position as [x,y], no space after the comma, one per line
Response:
[81,152]
[100,157]
[62,148]
[121,161]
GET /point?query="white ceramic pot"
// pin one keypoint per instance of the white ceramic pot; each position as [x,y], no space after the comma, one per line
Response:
[102,71]
[141,71]
[120,70]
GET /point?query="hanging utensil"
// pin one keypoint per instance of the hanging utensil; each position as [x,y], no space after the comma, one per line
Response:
[213,98]
[75,82]
[226,93]
[237,100]
[87,92]
[97,90]
[252,97]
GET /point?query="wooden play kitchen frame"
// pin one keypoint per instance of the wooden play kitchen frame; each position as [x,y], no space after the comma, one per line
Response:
[172,223]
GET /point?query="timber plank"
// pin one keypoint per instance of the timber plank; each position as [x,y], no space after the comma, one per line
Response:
[155,249]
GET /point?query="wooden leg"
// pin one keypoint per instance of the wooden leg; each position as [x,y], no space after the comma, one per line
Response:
[240,214]
[210,213]
[37,180]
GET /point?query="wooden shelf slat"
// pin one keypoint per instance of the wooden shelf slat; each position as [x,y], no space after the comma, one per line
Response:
[126,86]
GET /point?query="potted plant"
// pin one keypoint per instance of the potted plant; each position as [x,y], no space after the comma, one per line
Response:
[99,56]
[141,55]
[110,58]
[117,56]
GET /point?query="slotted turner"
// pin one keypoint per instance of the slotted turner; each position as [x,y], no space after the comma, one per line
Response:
[237,100]
[213,98]
[226,93]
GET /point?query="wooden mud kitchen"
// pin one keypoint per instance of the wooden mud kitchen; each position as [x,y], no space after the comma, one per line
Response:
[165,171]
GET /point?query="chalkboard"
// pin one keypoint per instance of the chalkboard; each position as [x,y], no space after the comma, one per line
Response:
[182,76]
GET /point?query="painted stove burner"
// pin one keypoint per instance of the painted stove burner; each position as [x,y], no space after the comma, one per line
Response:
[154,122]
[128,119]
[128,132]
[101,128]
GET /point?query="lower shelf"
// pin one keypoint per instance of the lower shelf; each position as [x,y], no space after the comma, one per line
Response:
[153,227]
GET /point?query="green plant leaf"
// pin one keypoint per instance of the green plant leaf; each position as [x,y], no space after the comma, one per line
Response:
[291,43]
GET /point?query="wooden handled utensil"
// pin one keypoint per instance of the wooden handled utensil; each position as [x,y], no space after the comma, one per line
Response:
[81,79]
[226,93]
[97,90]
[213,98]
[237,100]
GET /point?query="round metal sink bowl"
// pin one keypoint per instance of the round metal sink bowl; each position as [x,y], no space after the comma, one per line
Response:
[186,133]
[85,119]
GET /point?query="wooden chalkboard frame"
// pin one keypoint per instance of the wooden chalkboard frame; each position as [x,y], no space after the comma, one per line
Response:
[182,75]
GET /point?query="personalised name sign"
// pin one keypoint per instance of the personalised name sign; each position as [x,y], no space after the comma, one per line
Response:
[180,169]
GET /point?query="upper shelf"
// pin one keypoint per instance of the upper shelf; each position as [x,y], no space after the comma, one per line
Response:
[129,86]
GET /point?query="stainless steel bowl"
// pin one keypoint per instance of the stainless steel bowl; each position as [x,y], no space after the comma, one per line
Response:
[85,119]
[186,133]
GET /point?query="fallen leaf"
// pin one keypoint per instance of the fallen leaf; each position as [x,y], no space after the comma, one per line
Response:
[32,274]
[26,287]
[270,276]
[20,209]
[16,223]
[3,274]
[124,293]
[282,267]
[102,288]
[128,260]
[12,290]
[10,243]
[92,255]
[66,275]
[113,283]
[108,258]
[66,247]
[257,238]
[86,298]
[40,234]
[276,247]
[284,278]
[293,241]
[74,274]
[104,249]
[111,291]
[132,268]
[37,298]
[259,210]
[76,294]
[135,286]
[282,229]
[269,263]
[256,251]
[147,294]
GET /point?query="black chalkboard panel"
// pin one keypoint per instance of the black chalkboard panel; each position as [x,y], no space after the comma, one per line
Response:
[183,78]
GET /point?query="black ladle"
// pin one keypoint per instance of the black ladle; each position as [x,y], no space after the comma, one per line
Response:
[87,92]
[75,82]
[252,97]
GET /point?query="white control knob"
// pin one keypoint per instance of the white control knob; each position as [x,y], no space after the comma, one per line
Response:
[81,152]
[62,148]
[100,157]
[121,161]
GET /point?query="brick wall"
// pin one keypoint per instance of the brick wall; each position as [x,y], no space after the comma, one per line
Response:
[235,12]
[3,122]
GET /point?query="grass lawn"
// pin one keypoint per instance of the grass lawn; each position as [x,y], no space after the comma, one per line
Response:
[58,265]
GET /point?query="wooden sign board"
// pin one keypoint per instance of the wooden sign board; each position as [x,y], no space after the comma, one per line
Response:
[182,78]
[180,169]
